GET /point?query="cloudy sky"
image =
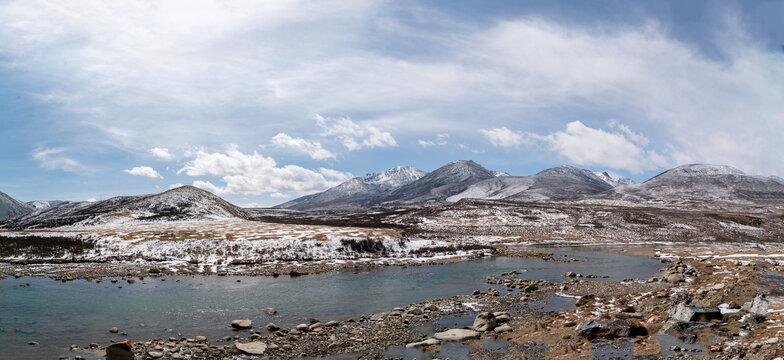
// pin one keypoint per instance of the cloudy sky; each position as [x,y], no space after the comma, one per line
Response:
[262,101]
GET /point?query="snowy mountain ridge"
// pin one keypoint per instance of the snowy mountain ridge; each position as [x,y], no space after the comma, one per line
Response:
[614,179]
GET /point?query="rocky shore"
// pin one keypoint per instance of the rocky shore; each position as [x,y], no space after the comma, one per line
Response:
[709,306]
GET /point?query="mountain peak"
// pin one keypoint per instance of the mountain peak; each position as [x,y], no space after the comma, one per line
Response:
[614,179]
[703,170]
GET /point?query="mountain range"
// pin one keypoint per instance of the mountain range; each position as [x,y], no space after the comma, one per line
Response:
[408,186]
[185,202]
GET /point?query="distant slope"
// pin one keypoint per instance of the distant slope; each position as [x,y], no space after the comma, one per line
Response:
[563,182]
[700,182]
[181,203]
[437,186]
[11,208]
[614,179]
[358,192]
[44,204]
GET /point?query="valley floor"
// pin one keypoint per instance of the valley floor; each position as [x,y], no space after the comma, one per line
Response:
[718,259]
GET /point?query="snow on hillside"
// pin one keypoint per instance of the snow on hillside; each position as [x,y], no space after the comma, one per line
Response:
[561,182]
[614,179]
[702,183]
[11,208]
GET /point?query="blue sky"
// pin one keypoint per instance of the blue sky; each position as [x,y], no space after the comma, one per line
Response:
[261,102]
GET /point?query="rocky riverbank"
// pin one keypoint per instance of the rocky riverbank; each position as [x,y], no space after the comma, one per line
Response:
[708,302]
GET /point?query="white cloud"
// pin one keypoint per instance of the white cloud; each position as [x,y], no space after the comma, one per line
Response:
[129,71]
[91,200]
[53,159]
[206,185]
[355,136]
[175,185]
[161,153]
[334,174]
[252,173]
[587,146]
[312,149]
[278,195]
[503,137]
[440,140]
[145,171]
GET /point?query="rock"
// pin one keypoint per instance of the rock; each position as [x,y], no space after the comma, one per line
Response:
[759,306]
[475,292]
[431,307]
[34,343]
[501,317]
[242,324]
[120,351]
[176,356]
[272,327]
[628,315]
[114,330]
[315,326]
[609,329]
[155,354]
[424,343]
[154,271]
[570,274]
[252,348]
[457,335]
[503,328]
[584,300]
[332,323]
[303,327]
[270,311]
[94,346]
[688,312]
[201,339]
[415,311]
[485,321]
[718,286]
[675,278]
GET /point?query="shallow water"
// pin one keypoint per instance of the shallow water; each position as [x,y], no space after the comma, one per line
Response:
[57,314]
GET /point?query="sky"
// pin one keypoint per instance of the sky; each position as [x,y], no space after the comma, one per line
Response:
[264,101]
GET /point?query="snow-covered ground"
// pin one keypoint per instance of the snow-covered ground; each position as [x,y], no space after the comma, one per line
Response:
[231,240]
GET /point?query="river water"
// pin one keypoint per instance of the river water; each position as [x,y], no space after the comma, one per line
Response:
[58,314]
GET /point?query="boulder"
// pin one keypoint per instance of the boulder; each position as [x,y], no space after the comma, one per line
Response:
[424,343]
[242,324]
[252,348]
[759,306]
[675,278]
[201,339]
[690,312]
[272,327]
[584,300]
[303,327]
[114,330]
[485,321]
[270,311]
[119,351]
[609,329]
[503,328]
[457,335]
[155,354]
[501,317]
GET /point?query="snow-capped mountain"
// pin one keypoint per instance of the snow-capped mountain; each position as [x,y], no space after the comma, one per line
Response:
[184,202]
[357,192]
[437,186]
[706,183]
[563,182]
[39,205]
[11,208]
[613,179]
